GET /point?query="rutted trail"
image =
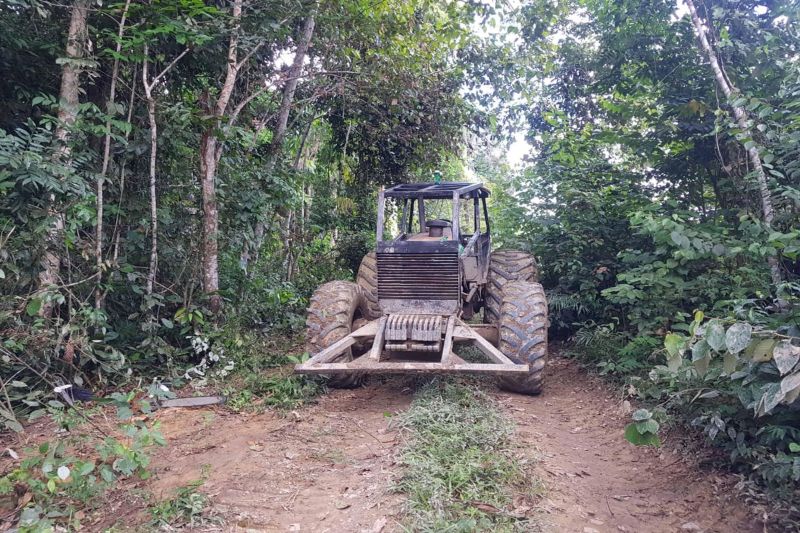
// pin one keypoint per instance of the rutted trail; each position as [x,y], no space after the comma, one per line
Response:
[327,467]
[597,481]
[330,466]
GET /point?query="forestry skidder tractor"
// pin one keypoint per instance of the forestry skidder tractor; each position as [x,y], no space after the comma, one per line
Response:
[409,309]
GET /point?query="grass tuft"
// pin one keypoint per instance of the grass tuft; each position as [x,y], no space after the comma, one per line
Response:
[188,508]
[460,473]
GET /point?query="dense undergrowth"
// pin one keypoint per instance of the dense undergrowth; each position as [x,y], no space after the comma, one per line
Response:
[460,469]
[728,395]
[66,480]
[666,226]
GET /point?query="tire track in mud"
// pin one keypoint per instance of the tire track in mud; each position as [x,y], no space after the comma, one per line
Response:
[330,466]
[325,467]
[595,481]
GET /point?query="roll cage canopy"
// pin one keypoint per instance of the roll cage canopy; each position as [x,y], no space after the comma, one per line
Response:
[443,190]
[410,194]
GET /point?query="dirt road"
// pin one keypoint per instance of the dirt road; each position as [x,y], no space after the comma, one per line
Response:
[330,466]
[596,481]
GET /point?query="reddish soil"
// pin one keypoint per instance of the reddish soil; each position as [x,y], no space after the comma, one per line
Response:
[330,466]
[326,467]
[595,481]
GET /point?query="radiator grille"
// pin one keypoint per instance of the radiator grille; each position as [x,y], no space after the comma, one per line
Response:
[409,276]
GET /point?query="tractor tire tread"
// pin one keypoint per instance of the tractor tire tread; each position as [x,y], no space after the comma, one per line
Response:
[367,279]
[329,319]
[523,334]
[506,266]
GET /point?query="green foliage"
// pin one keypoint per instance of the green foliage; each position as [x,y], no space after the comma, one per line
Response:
[62,480]
[457,453]
[643,431]
[763,360]
[638,197]
[263,375]
[186,508]
[380,101]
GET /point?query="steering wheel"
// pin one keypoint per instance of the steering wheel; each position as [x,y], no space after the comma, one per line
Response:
[447,223]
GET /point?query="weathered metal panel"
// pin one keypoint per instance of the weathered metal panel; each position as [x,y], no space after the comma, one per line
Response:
[444,246]
[419,306]
[418,276]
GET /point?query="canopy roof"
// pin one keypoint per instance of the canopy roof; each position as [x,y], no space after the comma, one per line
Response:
[437,190]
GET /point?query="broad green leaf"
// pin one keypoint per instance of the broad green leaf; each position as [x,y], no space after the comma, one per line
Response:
[785,356]
[674,344]
[773,395]
[642,414]
[700,350]
[13,425]
[633,436]
[107,474]
[790,383]
[647,426]
[791,395]
[729,363]
[33,306]
[738,337]
[86,468]
[701,365]
[794,447]
[715,335]
[674,362]
[761,351]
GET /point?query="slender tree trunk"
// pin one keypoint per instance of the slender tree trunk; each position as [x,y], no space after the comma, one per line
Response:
[210,153]
[67,113]
[741,116]
[70,82]
[149,84]
[98,293]
[208,171]
[153,267]
[116,232]
[287,99]
[289,89]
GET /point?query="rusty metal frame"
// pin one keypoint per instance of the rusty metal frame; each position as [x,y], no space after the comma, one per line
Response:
[374,361]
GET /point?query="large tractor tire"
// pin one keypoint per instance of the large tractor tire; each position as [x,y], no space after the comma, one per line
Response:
[337,309]
[523,334]
[506,266]
[367,279]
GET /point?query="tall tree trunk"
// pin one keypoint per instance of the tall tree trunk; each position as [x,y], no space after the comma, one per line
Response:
[740,114]
[116,232]
[287,99]
[210,152]
[67,113]
[77,37]
[112,93]
[153,267]
[149,84]
[289,89]
[208,171]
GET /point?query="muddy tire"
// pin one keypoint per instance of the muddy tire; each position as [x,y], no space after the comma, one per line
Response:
[506,266]
[367,279]
[523,334]
[337,308]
